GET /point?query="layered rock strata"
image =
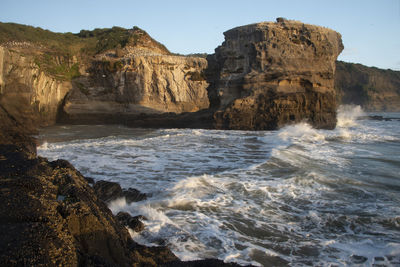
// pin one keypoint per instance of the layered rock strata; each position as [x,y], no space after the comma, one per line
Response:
[27,92]
[125,76]
[138,84]
[268,74]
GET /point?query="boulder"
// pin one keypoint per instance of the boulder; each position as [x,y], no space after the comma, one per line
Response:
[133,223]
[109,191]
[133,195]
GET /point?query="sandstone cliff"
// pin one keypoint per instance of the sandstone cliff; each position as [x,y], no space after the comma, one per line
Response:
[94,75]
[372,88]
[269,74]
[26,90]
[136,84]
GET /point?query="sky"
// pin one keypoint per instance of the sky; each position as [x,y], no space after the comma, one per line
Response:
[370,28]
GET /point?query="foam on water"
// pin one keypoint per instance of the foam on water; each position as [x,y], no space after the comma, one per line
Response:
[296,196]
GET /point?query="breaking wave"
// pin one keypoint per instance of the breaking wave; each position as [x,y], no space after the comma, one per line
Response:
[296,196]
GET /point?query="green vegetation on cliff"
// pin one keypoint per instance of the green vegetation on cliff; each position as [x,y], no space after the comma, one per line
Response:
[59,54]
[89,42]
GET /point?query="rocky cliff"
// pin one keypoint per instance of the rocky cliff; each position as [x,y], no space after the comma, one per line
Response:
[26,91]
[268,74]
[372,88]
[94,76]
[137,83]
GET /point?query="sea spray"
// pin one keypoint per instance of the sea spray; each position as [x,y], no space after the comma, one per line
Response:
[294,196]
[347,115]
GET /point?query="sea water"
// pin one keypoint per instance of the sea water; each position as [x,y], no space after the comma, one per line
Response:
[296,196]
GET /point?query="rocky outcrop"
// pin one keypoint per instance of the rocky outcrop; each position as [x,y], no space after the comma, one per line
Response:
[109,191]
[268,74]
[137,84]
[372,88]
[49,215]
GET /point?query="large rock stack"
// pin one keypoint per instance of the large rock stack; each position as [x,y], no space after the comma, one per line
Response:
[268,74]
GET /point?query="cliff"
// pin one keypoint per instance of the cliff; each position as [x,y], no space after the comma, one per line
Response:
[94,75]
[26,91]
[372,88]
[136,84]
[269,74]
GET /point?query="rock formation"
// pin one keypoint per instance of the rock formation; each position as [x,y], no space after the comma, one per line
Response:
[97,76]
[269,74]
[372,88]
[138,83]
[49,215]
[26,91]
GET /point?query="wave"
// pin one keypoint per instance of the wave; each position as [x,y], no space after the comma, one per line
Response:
[292,196]
[347,115]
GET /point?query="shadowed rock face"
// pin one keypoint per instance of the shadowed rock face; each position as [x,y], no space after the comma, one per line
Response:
[268,74]
[372,88]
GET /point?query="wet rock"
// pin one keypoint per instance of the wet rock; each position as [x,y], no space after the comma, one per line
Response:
[90,180]
[49,215]
[133,195]
[358,259]
[109,191]
[132,222]
[201,263]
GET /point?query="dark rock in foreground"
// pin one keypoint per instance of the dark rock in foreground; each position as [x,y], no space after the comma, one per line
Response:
[49,215]
[201,263]
[109,191]
[132,222]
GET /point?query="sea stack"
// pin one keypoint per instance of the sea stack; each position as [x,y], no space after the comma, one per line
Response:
[268,74]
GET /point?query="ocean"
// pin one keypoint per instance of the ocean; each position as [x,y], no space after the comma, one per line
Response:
[296,196]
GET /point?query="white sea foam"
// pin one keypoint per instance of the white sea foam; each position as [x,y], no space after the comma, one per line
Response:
[347,115]
[298,194]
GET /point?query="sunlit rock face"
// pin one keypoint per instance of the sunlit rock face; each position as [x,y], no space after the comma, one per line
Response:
[139,84]
[269,74]
[31,95]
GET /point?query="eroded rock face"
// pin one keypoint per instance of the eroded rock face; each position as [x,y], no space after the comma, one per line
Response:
[139,84]
[268,74]
[27,92]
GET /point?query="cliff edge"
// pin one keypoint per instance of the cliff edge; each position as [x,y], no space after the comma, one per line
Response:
[268,74]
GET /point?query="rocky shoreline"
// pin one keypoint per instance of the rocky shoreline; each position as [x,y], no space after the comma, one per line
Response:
[50,215]
[262,77]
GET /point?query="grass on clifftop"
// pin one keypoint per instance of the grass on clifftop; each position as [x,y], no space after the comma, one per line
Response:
[61,47]
[89,42]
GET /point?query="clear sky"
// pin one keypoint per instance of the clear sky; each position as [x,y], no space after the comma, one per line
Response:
[370,28]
